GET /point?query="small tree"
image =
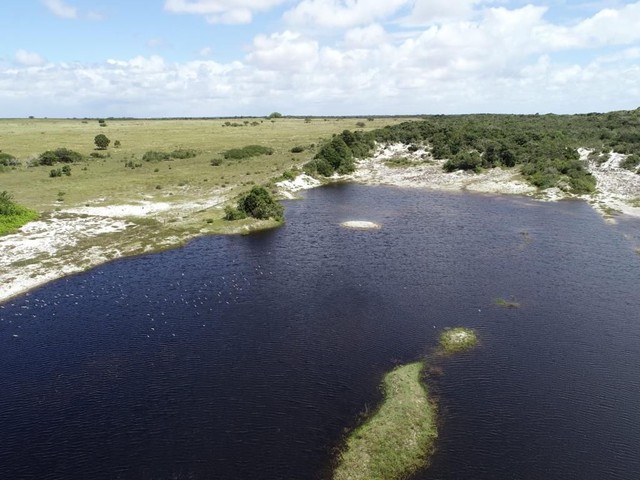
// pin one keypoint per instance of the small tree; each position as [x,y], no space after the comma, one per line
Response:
[275,115]
[101,141]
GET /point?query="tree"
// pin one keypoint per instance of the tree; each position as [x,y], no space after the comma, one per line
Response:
[101,141]
[259,203]
[275,115]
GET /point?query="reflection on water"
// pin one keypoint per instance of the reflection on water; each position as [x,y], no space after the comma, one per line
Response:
[247,357]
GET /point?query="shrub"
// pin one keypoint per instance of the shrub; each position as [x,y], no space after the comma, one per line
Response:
[216,162]
[233,213]
[155,156]
[55,172]
[7,160]
[464,161]
[631,162]
[61,155]
[117,144]
[66,170]
[101,141]
[297,149]
[182,153]
[247,152]
[12,215]
[259,203]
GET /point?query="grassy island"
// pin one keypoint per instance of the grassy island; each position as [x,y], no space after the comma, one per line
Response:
[453,340]
[399,438]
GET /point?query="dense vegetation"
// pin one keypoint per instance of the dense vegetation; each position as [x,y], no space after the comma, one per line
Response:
[545,146]
[257,203]
[12,215]
[60,155]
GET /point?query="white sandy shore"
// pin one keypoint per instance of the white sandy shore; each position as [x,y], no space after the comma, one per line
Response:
[44,250]
[48,249]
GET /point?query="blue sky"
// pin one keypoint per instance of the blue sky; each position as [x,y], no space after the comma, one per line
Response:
[69,58]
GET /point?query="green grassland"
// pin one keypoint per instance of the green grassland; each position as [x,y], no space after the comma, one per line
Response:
[399,438]
[176,180]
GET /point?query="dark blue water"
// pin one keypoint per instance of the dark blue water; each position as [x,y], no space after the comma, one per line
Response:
[248,357]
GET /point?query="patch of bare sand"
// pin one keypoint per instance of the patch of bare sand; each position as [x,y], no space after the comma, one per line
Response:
[618,189]
[422,171]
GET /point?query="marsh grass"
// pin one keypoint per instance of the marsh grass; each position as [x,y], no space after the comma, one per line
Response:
[459,339]
[398,439]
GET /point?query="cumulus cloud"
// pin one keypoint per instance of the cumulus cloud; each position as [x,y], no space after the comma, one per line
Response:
[60,9]
[222,11]
[342,13]
[28,59]
[432,11]
[498,60]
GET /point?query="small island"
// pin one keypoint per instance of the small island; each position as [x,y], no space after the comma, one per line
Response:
[361,225]
[459,339]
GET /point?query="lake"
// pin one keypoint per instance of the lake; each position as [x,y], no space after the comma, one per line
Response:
[248,357]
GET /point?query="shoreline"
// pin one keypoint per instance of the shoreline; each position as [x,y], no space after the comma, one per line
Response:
[79,238]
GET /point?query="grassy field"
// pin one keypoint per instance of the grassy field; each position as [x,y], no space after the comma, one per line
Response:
[399,438]
[111,180]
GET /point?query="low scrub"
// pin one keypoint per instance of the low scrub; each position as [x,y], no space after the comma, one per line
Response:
[60,155]
[247,152]
[12,215]
[7,160]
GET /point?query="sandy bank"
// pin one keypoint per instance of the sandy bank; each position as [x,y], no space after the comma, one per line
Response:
[78,238]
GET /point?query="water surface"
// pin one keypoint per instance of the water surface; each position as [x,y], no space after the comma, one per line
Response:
[247,357]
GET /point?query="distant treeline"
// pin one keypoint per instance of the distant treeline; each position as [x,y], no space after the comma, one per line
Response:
[545,146]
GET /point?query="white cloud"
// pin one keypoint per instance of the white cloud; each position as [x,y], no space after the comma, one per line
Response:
[287,51]
[432,11]
[497,60]
[205,51]
[60,9]
[342,13]
[367,37]
[222,11]
[28,59]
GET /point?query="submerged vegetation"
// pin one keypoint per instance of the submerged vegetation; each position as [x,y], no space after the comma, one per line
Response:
[398,439]
[12,215]
[503,302]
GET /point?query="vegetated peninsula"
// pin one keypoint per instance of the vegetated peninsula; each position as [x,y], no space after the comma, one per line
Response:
[400,437]
[107,188]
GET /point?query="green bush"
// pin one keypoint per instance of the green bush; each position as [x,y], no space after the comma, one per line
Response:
[232,213]
[7,160]
[259,203]
[464,161]
[182,153]
[60,155]
[155,156]
[297,149]
[101,141]
[12,215]
[631,162]
[247,152]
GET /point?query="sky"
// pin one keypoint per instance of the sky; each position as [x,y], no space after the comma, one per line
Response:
[214,58]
